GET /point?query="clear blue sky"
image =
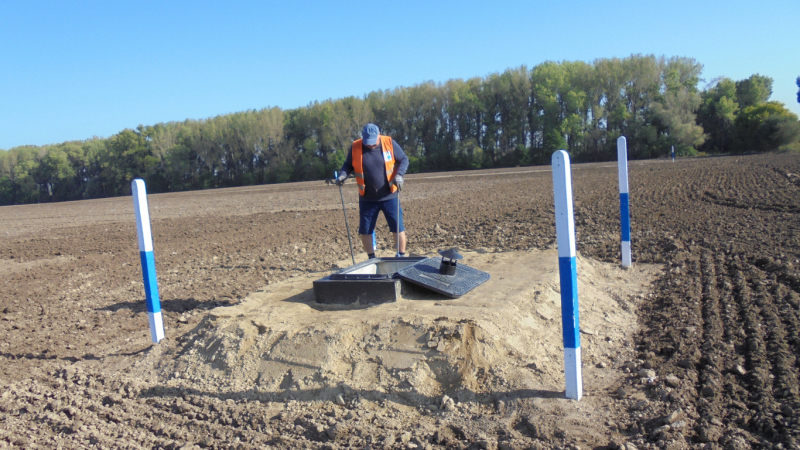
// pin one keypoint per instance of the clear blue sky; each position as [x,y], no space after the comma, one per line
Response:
[70,70]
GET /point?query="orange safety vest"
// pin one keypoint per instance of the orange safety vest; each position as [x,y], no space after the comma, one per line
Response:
[388,159]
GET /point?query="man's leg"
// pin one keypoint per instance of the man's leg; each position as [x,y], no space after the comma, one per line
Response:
[402,241]
[368,215]
[366,241]
[390,211]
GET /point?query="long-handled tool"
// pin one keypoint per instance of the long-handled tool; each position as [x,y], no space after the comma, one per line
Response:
[352,255]
[398,222]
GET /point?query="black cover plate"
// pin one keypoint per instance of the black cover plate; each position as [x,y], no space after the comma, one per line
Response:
[426,274]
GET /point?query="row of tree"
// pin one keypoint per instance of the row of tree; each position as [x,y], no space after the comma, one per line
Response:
[518,117]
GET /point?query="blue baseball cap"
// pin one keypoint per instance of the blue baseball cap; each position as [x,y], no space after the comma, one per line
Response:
[369,134]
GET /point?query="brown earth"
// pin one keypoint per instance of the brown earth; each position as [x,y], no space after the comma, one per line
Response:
[712,365]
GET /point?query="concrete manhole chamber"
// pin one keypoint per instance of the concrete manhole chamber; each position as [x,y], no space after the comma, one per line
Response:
[379,280]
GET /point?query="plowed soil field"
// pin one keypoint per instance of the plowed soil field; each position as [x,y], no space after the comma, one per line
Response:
[711,361]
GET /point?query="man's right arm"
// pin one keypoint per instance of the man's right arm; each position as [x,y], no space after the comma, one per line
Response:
[347,167]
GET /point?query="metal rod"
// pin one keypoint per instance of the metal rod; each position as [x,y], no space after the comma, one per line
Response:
[344,210]
[398,221]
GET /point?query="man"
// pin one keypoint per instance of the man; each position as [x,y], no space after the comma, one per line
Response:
[379,165]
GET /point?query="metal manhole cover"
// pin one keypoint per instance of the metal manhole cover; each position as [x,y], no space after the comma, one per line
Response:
[426,274]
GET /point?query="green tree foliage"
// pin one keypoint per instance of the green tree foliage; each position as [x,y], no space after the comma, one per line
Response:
[549,107]
[125,157]
[517,117]
[753,91]
[717,113]
[56,173]
[19,170]
[738,118]
[766,126]
[674,112]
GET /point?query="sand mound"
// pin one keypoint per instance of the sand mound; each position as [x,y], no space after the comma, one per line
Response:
[504,336]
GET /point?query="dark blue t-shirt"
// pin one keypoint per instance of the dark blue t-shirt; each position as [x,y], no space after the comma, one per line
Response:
[377,186]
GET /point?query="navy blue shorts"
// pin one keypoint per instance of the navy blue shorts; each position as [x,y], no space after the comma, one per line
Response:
[369,212]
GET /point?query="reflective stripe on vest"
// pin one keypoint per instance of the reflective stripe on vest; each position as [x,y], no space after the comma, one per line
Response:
[388,159]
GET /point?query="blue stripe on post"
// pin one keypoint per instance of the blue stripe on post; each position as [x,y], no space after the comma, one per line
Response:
[625,217]
[570,320]
[150,282]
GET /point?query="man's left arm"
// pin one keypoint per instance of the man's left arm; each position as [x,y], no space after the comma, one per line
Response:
[400,164]
[401,160]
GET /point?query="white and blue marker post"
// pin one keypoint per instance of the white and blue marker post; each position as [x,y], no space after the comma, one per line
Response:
[148,261]
[624,205]
[565,237]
